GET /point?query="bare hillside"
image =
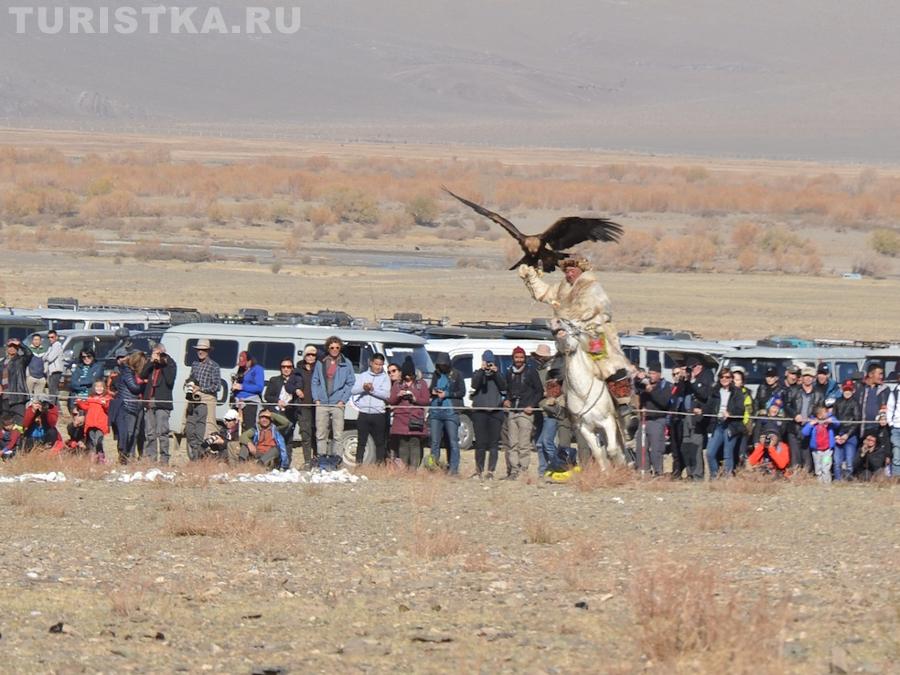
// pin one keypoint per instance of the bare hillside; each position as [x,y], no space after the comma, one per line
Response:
[804,79]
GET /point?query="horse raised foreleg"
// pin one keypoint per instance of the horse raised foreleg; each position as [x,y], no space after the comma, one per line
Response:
[587,435]
[614,440]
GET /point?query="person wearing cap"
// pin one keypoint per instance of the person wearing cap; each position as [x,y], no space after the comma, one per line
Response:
[300,383]
[84,374]
[799,404]
[523,394]
[846,437]
[874,455]
[13,395]
[332,383]
[826,386]
[206,379]
[819,429]
[264,443]
[159,380]
[226,441]
[873,398]
[39,424]
[488,384]
[579,297]
[768,390]
[699,384]
[448,388]
[654,394]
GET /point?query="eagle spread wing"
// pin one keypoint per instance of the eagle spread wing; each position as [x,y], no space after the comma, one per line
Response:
[572,230]
[496,217]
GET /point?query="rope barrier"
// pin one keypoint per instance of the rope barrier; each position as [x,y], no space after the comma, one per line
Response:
[667,413]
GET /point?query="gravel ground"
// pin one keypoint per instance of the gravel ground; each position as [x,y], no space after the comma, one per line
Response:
[430,574]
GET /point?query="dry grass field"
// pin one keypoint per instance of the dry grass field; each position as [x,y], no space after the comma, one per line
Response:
[722,247]
[421,573]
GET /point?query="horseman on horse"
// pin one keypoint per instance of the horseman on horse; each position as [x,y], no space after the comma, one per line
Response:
[582,308]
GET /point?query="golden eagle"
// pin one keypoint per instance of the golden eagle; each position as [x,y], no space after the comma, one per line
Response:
[545,250]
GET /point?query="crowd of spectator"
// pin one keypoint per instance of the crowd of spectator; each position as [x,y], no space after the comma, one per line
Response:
[709,421]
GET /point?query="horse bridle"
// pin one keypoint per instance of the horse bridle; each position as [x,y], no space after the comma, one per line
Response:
[574,330]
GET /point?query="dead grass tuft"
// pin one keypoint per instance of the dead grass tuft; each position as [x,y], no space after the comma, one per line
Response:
[248,532]
[43,461]
[477,562]
[539,530]
[593,478]
[129,599]
[685,613]
[429,544]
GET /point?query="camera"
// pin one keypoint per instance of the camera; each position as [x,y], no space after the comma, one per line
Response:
[210,442]
[189,391]
[644,381]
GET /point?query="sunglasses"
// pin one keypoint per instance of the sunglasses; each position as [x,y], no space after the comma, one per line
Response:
[724,377]
[393,370]
[287,365]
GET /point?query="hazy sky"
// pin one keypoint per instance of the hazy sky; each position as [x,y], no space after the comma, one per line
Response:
[812,79]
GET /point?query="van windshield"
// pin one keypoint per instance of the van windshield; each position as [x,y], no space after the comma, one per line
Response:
[398,353]
[756,368]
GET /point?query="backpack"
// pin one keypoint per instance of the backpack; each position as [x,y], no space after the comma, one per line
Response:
[328,462]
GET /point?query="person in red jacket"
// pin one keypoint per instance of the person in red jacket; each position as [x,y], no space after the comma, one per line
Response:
[409,397]
[10,435]
[39,424]
[96,422]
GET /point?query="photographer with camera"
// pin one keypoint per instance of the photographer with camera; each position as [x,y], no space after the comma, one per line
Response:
[226,441]
[409,397]
[159,374]
[654,394]
[488,385]
[201,390]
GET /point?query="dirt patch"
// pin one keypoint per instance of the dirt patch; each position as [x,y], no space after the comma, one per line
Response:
[483,576]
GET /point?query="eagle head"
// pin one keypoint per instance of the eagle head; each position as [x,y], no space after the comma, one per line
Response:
[532,245]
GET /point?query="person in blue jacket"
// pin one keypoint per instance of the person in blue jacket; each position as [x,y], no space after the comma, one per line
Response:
[84,375]
[820,432]
[248,392]
[332,385]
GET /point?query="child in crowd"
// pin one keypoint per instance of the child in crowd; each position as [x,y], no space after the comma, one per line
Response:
[96,422]
[10,435]
[769,444]
[77,441]
[820,431]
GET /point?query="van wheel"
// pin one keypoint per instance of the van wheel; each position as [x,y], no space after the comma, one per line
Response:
[466,433]
[348,443]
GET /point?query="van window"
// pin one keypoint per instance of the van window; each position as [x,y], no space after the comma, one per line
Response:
[63,324]
[633,354]
[354,353]
[419,355]
[134,326]
[97,325]
[224,352]
[652,355]
[103,345]
[844,369]
[668,361]
[270,354]
[463,364]
[756,368]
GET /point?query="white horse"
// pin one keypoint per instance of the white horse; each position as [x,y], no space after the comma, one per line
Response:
[592,409]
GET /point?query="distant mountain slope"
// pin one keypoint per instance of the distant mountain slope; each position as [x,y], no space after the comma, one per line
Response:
[813,78]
